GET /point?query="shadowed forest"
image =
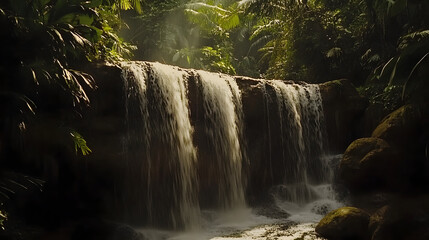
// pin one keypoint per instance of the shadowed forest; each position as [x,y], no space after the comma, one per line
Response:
[86,126]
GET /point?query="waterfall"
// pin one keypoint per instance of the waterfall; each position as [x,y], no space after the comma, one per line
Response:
[301,135]
[134,76]
[170,158]
[301,139]
[186,143]
[223,126]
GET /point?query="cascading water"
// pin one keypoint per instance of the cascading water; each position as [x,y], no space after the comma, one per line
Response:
[222,114]
[300,116]
[172,187]
[185,148]
[134,76]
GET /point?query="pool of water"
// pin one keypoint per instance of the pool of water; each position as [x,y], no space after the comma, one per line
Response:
[298,222]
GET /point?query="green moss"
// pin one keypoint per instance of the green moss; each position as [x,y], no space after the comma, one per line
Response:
[343,223]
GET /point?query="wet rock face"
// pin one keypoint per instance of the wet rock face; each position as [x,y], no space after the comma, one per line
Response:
[344,223]
[344,109]
[401,127]
[105,129]
[394,158]
[368,164]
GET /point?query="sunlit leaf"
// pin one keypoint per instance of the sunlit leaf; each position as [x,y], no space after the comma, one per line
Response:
[176,56]
[386,68]
[33,74]
[393,73]
[80,143]
[410,76]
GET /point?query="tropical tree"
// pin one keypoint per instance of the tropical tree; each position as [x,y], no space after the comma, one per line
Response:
[45,44]
[398,74]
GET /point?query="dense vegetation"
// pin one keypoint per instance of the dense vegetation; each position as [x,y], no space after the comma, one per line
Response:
[381,43]
[45,45]
[382,46]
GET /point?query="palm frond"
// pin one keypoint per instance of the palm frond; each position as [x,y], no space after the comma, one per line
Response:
[412,38]
[270,27]
[24,103]
[12,183]
[411,75]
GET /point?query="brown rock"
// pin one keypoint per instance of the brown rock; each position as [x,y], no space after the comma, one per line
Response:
[369,163]
[401,127]
[343,108]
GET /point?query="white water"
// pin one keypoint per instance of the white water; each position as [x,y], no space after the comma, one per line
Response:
[299,107]
[246,224]
[174,155]
[222,110]
[134,76]
[177,131]
[168,172]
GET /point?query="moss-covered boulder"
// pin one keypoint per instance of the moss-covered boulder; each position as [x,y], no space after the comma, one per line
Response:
[368,164]
[344,223]
[407,131]
[402,127]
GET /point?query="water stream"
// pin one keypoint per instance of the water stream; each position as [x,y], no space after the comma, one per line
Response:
[222,111]
[187,156]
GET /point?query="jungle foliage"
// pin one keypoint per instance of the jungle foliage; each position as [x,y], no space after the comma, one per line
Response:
[45,45]
[380,45]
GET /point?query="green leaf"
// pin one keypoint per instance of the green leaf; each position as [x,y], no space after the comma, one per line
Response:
[33,74]
[85,20]
[79,39]
[176,56]
[3,219]
[410,76]
[22,99]
[80,143]
[68,18]
[393,73]
[60,37]
[387,67]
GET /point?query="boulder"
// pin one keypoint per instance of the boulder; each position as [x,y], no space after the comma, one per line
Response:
[407,131]
[403,219]
[344,223]
[368,164]
[343,108]
[401,127]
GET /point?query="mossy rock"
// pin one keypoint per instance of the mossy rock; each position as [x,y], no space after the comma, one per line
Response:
[401,127]
[368,164]
[344,223]
[407,131]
